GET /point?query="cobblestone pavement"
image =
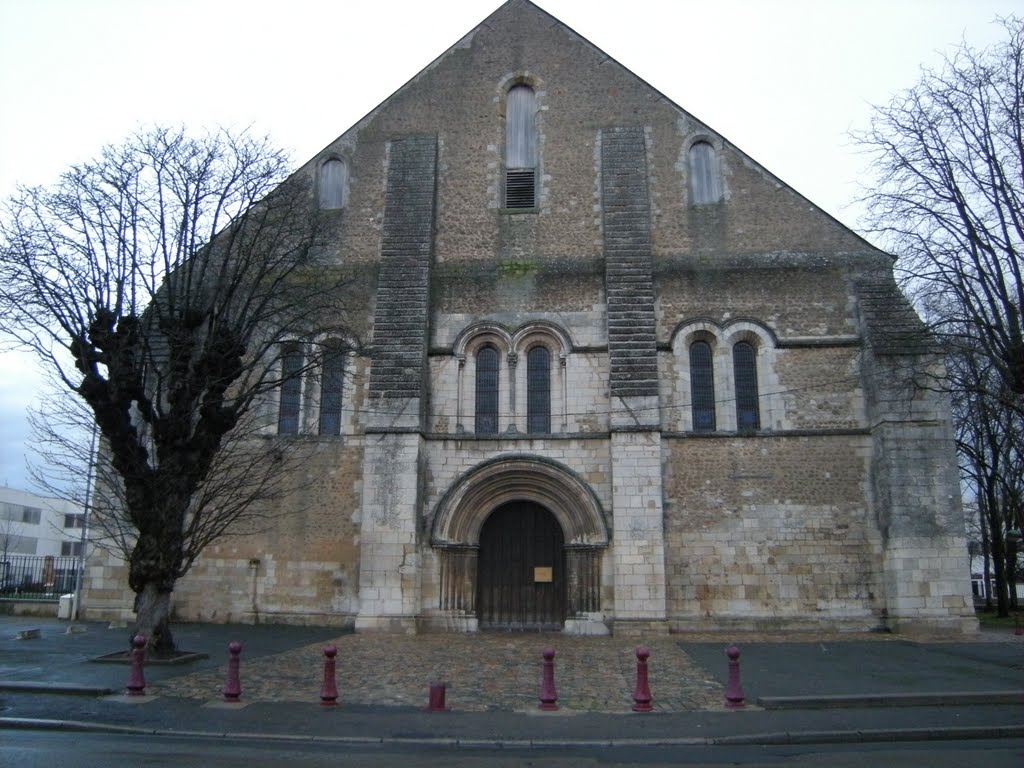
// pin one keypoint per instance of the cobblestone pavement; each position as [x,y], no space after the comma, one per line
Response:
[487,672]
[484,672]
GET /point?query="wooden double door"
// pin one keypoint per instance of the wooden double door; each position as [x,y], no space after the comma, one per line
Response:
[521,582]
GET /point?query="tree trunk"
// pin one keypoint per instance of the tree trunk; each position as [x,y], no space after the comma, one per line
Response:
[152,611]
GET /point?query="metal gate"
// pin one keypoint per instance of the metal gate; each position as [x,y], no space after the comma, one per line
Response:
[521,570]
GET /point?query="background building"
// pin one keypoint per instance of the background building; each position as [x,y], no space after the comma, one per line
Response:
[620,378]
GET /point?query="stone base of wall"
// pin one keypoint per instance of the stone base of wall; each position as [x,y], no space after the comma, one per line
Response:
[945,626]
[394,625]
[28,608]
[852,624]
[639,628]
[446,621]
[591,624]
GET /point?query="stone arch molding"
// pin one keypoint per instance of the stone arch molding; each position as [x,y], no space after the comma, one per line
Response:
[463,510]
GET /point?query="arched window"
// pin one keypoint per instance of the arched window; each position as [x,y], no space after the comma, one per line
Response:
[331,378]
[702,386]
[744,361]
[538,391]
[487,391]
[520,147]
[332,184]
[291,388]
[705,185]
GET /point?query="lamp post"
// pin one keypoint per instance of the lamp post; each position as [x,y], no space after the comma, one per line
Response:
[90,477]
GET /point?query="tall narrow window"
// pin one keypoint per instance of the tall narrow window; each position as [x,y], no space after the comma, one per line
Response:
[332,376]
[538,391]
[332,184]
[291,389]
[520,148]
[744,360]
[487,391]
[705,186]
[702,387]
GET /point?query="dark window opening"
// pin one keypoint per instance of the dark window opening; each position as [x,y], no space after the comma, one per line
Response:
[487,391]
[744,360]
[291,389]
[538,391]
[331,388]
[702,387]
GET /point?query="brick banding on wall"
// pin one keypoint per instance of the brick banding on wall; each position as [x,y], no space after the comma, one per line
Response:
[629,283]
[403,289]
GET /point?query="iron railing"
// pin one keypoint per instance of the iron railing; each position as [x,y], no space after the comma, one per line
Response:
[37,577]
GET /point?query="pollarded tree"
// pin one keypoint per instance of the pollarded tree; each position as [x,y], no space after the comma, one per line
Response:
[159,284]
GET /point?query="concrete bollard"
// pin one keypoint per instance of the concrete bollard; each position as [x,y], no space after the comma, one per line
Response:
[329,690]
[437,697]
[548,694]
[734,689]
[233,685]
[642,693]
[137,678]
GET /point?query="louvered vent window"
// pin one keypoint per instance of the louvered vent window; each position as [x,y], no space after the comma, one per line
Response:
[519,188]
[291,389]
[331,380]
[538,391]
[487,391]
[702,387]
[521,148]
[744,360]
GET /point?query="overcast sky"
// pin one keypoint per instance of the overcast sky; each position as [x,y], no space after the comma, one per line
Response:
[784,80]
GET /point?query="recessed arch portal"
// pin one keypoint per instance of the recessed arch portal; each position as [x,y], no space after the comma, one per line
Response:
[510,481]
[463,510]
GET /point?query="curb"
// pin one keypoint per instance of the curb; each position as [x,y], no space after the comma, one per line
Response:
[861,701]
[968,733]
[65,689]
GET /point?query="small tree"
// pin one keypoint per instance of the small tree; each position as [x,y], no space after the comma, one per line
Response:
[158,284]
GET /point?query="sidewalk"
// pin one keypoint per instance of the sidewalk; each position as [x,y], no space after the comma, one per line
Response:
[829,688]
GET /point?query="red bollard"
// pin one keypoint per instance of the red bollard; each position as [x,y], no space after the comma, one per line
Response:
[642,694]
[734,689]
[329,690]
[233,686]
[437,694]
[548,694]
[136,678]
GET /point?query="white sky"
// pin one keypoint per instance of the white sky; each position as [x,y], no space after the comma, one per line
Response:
[784,80]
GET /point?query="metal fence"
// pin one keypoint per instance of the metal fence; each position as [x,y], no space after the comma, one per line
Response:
[37,577]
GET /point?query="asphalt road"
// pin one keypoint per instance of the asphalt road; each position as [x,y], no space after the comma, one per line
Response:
[38,749]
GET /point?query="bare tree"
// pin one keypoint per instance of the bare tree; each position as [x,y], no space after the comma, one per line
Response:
[159,284]
[948,159]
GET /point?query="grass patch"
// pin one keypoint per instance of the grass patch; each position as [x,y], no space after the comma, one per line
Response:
[989,619]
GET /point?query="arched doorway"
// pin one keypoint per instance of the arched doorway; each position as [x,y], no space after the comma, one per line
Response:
[521,582]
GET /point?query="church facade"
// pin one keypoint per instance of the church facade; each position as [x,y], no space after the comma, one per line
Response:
[619,378]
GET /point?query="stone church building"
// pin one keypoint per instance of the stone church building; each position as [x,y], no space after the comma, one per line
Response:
[619,378]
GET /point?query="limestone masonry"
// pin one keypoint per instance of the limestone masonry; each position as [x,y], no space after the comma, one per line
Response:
[618,379]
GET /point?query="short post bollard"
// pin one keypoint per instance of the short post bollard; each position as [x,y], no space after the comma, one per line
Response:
[548,694]
[137,678]
[233,685]
[437,697]
[734,689]
[642,694]
[1019,626]
[329,690]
